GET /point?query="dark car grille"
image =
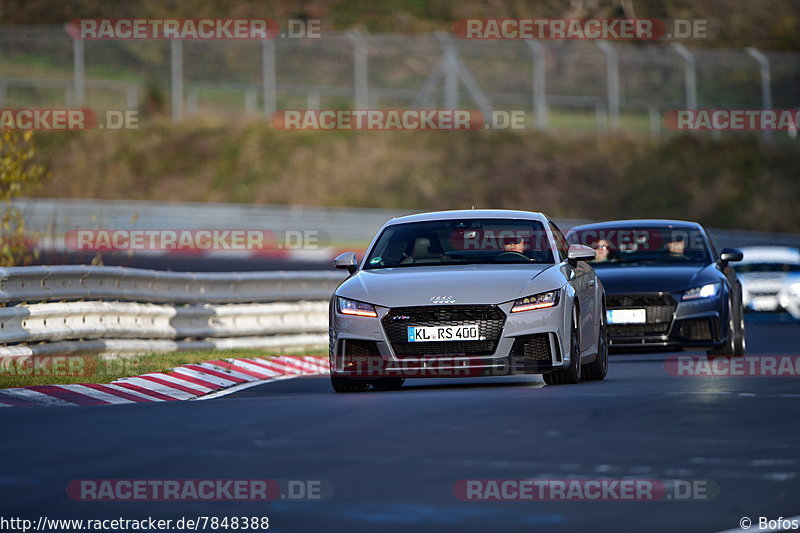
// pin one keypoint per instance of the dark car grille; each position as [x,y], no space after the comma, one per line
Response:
[659,310]
[532,348]
[489,318]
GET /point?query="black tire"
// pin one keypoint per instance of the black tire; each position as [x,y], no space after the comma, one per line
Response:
[572,374]
[740,342]
[388,383]
[734,343]
[598,369]
[349,385]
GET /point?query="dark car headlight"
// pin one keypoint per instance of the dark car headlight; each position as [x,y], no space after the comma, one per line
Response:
[355,308]
[542,300]
[703,291]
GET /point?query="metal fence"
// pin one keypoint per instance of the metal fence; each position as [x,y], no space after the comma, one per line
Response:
[50,218]
[558,83]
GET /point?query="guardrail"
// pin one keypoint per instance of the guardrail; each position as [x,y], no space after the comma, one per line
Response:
[70,308]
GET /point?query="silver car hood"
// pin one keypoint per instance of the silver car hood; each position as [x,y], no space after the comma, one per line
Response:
[467,284]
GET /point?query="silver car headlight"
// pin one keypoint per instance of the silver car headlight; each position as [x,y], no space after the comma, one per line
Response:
[542,300]
[704,291]
[355,308]
[794,289]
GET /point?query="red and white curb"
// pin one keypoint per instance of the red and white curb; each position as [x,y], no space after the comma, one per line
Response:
[185,382]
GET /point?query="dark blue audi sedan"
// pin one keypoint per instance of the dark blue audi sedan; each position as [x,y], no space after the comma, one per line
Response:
[667,288]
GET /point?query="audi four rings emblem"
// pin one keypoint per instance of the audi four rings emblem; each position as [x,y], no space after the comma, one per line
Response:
[443,300]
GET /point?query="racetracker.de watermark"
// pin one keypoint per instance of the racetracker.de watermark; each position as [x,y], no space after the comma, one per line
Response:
[732,119]
[46,365]
[198,489]
[635,29]
[68,119]
[746,366]
[601,489]
[186,240]
[378,119]
[31,366]
[192,29]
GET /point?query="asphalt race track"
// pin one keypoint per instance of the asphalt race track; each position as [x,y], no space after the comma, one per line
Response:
[394,457]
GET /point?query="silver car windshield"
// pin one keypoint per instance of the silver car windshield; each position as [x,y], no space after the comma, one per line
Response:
[459,242]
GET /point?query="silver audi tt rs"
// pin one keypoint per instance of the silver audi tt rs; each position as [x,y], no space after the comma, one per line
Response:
[465,294]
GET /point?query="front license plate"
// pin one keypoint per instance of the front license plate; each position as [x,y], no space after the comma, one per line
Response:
[764,303]
[467,332]
[626,316]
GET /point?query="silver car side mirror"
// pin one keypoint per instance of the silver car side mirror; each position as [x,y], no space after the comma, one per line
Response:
[579,252]
[346,260]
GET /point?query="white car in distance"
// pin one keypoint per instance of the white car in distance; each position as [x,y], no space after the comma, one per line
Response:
[766,272]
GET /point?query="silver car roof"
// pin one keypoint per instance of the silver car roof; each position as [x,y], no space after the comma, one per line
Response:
[467,214]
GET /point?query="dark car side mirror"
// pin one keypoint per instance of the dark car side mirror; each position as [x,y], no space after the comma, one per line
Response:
[730,255]
[346,260]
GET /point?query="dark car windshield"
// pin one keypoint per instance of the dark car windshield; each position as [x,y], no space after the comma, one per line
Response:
[665,245]
[459,242]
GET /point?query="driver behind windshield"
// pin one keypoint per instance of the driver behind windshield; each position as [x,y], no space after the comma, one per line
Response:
[677,247]
[515,244]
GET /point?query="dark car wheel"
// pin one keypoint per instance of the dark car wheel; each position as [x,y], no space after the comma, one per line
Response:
[388,383]
[597,369]
[349,385]
[571,374]
[734,344]
[741,342]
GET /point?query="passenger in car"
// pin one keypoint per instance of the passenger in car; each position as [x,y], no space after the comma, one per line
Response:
[603,250]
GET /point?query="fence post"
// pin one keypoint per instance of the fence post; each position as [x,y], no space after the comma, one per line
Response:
[450,70]
[313,100]
[655,120]
[360,70]
[78,71]
[250,101]
[268,87]
[132,96]
[612,73]
[766,83]
[176,55]
[455,70]
[539,83]
[689,75]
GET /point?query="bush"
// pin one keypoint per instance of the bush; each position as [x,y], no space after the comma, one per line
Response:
[18,176]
